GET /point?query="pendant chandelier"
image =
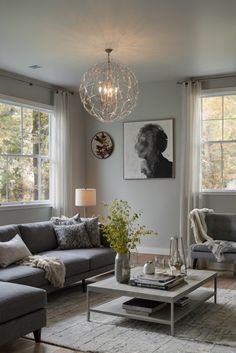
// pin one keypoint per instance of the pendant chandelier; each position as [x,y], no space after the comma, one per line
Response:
[109,91]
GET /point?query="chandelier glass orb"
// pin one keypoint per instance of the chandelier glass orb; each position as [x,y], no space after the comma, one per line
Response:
[109,91]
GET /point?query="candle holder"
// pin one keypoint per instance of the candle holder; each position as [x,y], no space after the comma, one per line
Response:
[177,260]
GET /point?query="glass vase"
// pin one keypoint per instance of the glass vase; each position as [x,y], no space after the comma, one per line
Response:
[176,261]
[122,268]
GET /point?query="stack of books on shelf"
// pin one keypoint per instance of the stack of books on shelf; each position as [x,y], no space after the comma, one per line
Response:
[143,307]
[159,281]
[183,301]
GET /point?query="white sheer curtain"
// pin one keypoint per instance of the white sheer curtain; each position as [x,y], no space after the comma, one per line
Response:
[61,183]
[190,156]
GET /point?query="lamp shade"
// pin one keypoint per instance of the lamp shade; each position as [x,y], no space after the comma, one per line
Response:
[85,197]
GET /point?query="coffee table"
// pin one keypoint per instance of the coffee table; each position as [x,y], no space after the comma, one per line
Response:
[170,313]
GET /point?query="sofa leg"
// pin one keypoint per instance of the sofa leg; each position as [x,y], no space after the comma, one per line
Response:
[195,263]
[37,335]
[84,285]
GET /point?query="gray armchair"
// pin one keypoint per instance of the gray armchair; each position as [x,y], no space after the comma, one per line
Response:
[220,227]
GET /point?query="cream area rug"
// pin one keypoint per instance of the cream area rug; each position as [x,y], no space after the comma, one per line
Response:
[210,328]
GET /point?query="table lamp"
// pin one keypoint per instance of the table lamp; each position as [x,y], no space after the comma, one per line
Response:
[84,198]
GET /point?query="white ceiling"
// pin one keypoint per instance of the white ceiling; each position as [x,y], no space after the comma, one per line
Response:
[158,39]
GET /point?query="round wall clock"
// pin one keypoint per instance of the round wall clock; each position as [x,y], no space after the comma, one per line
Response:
[102,145]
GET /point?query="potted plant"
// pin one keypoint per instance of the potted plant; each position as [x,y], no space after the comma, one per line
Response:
[123,232]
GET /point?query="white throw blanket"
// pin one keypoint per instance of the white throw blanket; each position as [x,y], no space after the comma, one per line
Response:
[219,247]
[198,224]
[54,268]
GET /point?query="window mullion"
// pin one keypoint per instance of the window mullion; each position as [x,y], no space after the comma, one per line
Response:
[39,159]
[7,177]
[22,126]
[39,178]
[222,165]
[221,146]
[219,141]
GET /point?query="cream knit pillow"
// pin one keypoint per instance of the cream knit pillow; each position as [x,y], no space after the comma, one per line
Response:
[12,251]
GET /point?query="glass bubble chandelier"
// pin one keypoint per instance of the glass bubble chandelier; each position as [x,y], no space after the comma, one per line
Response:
[109,91]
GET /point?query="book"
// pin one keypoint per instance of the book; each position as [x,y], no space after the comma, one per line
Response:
[143,313]
[155,281]
[136,312]
[160,283]
[183,301]
[162,278]
[164,286]
[138,305]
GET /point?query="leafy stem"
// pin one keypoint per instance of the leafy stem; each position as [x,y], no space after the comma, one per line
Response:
[121,227]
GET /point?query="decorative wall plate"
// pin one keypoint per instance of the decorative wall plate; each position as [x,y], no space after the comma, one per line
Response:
[102,145]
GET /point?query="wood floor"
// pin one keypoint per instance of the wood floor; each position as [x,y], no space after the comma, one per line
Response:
[226,280]
[23,345]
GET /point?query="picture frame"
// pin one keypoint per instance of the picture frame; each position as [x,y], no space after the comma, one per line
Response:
[149,149]
[102,145]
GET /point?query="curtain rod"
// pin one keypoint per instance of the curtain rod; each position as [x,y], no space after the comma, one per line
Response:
[205,78]
[52,89]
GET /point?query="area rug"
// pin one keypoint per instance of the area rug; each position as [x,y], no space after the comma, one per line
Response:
[210,328]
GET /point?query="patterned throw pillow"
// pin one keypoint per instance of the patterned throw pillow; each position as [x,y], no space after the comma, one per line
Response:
[93,230]
[72,236]
[63,220]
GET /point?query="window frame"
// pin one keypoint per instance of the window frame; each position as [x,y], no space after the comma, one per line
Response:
[24,103]
[214,92]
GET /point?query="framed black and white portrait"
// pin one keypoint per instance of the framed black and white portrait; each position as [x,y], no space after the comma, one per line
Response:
[149,149]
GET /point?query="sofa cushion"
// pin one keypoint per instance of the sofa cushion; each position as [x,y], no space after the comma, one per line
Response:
[221,226]
[93,230]
[98,257]
[199,247]
[72,236]
[18,300]
[38,236]
[63,220]
[12,251]
[205,249]
[8,232]
[27,275]
[104,240]
[74,263]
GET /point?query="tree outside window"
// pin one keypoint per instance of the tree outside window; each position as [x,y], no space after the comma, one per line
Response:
[218,143]
[24,153]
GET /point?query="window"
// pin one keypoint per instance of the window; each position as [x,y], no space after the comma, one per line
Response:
[24,153]
[218,142]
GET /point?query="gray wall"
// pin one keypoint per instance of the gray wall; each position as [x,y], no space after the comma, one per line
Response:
[21,214]
[158,199]
[14,88]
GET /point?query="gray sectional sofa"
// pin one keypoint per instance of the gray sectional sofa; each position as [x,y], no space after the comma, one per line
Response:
[25,287]
[22,310]
[219,227]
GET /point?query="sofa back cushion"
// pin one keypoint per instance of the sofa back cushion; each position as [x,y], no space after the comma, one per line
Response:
[38,236]
[63,220]
[93,230]
[221,226]
[8,232]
